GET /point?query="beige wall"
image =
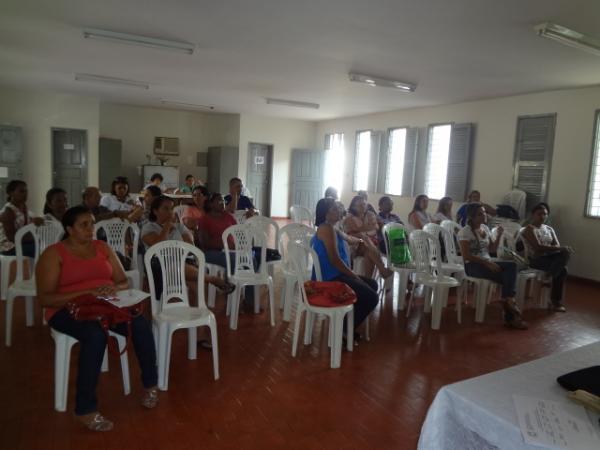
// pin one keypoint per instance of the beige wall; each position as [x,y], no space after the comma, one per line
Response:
[138,126]
[37,113]
[285,135]
[492,169]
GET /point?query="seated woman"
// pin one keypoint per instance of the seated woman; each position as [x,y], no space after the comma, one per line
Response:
[56,205]
[444,211]
[335,261]
[14,215]
[150,193]
[162,227]
[476,245]
[119,201]
[473,197]
[194,212]
[78,266]
[419,216]
[362,225]
[546,253]
[385,216]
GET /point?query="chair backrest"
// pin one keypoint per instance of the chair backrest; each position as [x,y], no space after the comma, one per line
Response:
[293,232]
[434,230]
[300,214]
[451,226]
[267,227]
[298,256]
[179,210]
[243,238]
[43,236]
[240,216]
[423,246]
[171,256]
[116,237]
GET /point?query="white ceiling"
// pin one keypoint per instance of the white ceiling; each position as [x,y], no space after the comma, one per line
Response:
[455,50]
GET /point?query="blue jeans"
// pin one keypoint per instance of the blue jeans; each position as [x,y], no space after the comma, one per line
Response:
[507,277]
[92,342]
[555,264]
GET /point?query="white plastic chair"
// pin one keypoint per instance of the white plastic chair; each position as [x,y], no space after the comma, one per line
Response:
[43,236]
[403,271]
[449,267]
[421,245]
[171,316]
[540,277]
[245,274]
[290,233]
[298,255]
[264,227]
[5,264]
[300,214]
[62,360]
[240,216]
[116,237]
[179,211]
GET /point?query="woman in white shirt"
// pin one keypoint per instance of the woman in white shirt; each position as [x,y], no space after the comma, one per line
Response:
[119,198]
[56,205]
[545,253]
[476,244]
[419,216]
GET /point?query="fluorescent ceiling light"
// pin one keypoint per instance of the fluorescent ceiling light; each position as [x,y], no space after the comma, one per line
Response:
[111,80]
[187,105]
[383,82]
[568,37]
[145,41]
[280,101]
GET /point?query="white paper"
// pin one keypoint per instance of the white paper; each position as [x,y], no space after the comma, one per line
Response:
[555,424]
[127,297]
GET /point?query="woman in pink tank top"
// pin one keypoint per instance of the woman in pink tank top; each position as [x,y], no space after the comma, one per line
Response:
[81,265]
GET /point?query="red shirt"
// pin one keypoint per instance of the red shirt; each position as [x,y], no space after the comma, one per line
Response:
[214,227]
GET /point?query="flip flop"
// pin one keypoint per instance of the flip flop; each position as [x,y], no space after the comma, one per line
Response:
[228,288]
[205,345]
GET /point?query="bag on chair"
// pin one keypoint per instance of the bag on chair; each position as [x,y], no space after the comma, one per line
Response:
[329,293]
[399,251]
[92,308]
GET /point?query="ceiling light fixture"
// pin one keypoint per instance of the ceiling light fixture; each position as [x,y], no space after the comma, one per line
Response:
[382,82]
[187,105]
[111,80]
[145,41]
[297,104]
[568,37]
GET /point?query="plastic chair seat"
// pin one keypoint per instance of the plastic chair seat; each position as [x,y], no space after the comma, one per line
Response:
[436,280]
[23,287]
[250,278]
[184,315]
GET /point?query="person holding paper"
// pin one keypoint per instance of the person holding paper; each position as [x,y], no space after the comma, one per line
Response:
[80,265]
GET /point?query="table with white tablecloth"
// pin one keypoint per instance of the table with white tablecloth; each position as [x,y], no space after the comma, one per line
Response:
[479,413]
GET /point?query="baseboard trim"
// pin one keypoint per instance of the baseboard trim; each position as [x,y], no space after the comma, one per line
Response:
[583,280]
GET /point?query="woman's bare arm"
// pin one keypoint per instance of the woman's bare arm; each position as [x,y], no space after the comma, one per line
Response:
[327,234]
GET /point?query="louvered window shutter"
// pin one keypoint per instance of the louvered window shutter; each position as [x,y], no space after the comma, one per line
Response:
[459,155]
[410,162]
[533,156]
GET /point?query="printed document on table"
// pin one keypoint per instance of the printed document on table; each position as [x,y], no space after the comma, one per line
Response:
[127,297]
[556,425]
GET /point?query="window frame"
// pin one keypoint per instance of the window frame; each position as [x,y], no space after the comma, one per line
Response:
[594,155]
[429,127]
[358,132]
[389,134]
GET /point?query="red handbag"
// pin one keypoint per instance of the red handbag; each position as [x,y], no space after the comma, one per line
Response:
[329,294]
[92,308]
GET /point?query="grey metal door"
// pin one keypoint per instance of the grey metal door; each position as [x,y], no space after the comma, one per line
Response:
[110,162]
[307,177]
[11,157]
[259,176]
[69,154]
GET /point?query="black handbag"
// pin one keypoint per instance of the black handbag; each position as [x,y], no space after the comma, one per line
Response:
[587,379]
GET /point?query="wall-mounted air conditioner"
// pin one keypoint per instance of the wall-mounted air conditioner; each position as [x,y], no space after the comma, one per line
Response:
[166,146]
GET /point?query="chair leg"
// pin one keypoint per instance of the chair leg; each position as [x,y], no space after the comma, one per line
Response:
[288,298]
[271,301]
[9,313]
[212,293]
[427,296]
[297,319]
[62,360]
[256,299]
[410,302]
[401,294]
[336,323]
[162,350]
[235,307]
[368,328]
[521,290]
[308,327]
[437,302]
[29,314]
[122,342]
[215,347]
[104,367]
[481,297]
[192,343]
[350,330]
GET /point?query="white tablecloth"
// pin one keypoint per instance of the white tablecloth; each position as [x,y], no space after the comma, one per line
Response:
[479,414]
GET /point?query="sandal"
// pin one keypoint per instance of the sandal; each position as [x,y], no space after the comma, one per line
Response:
[96,422]
[226,288]
[204,344]
[150,398]
[512,316]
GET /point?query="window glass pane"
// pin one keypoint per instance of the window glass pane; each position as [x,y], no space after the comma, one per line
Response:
[334,161]
[395,162]
[594,193]
[437,161]
[363,159]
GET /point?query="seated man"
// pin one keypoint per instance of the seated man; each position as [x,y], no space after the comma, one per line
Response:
[235,201]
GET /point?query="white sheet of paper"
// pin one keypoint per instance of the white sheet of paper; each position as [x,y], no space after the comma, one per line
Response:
[555,424]
[129,297]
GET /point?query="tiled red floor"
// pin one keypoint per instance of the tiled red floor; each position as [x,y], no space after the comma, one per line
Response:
[267,399]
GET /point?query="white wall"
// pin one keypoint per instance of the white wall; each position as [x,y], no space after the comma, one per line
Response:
[494,144]
[285,135]
[37,113]
[138,126]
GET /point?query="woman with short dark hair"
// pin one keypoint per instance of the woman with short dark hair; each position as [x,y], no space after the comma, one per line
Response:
[119,199]
[56,205]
